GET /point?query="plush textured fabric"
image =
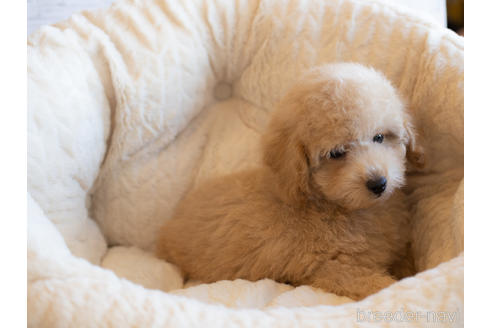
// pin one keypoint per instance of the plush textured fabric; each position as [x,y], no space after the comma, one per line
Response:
[132,106]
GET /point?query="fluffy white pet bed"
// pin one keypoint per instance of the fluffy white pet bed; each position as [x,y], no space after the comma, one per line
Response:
[131,107]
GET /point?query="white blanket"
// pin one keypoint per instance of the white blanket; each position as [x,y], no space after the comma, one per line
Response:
[132,106]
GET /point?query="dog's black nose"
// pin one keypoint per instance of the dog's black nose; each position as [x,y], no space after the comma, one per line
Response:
[377,185]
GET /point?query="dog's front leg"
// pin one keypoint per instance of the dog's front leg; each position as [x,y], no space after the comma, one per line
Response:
[350,280]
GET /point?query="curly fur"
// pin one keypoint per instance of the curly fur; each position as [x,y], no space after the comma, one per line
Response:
[306,217]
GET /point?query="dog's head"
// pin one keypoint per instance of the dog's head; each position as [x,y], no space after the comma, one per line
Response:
[341,134]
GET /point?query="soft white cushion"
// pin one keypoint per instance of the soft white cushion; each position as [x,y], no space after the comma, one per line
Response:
[132,106]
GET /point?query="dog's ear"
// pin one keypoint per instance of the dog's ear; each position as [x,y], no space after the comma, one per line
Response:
[287,157]
[415,152]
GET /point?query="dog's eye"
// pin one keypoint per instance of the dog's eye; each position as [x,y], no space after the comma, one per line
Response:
[378,138]
[337,153]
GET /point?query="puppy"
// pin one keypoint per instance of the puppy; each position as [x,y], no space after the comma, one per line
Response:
[325,210]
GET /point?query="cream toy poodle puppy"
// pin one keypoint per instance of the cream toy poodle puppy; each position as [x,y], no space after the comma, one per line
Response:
[325,210]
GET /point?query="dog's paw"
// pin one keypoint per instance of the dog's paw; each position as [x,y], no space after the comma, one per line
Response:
[366,286]
[358,287]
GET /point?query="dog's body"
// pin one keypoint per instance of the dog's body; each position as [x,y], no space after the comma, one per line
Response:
[324,210]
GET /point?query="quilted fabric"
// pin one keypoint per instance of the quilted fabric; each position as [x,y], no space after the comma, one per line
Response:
[132,106]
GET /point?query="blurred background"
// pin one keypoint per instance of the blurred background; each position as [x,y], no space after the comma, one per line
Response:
[42,12]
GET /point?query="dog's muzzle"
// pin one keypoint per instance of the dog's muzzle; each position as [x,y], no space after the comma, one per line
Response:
[377,186]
